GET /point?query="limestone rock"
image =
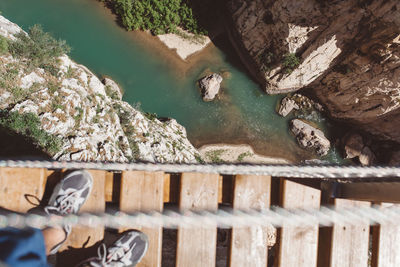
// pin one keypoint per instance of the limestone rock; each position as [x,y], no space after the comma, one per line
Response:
[310,137]
[349,54]
[298,102]
[210,86]
[75,108]
[367,157]
[395,159]
[353,146]
[112,89]
[286,106]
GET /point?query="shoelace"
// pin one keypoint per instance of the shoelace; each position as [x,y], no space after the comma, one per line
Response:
[65,204]
[116,256]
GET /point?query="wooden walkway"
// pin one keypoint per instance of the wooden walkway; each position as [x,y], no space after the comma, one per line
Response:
[341,245]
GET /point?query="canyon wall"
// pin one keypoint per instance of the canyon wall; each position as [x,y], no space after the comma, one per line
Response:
[79,117]
[347,53]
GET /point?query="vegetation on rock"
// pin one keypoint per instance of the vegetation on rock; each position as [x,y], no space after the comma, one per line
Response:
[3,45]
[243,155]
[158,16]
[266,58]
[39,48]
[290,62]
[67,112]
[215,155]
[28,125]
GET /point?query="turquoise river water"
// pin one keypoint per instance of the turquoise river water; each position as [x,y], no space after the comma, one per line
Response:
[162,83]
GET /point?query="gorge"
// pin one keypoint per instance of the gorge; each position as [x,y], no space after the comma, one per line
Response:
[242,114]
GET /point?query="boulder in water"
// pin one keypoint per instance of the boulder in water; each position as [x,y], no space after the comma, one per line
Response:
[355,147]
[310,137]
[210,86]
[367,157]
[287,105]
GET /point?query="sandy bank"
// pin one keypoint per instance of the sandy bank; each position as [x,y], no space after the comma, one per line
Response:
[184,47]
[218,153]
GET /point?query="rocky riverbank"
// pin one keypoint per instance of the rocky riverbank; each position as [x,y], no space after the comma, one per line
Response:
[85,119]
[184,44]
[227,153]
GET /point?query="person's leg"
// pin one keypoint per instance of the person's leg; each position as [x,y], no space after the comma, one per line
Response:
[29,247]
[22,247]
[126,251]
[52,237]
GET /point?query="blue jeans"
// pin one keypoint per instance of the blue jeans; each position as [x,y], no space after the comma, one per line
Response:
[22,247]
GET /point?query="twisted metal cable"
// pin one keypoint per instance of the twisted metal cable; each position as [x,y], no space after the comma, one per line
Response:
[290,171]
[277,217]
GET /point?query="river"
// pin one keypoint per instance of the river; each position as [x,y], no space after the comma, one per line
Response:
[161,83]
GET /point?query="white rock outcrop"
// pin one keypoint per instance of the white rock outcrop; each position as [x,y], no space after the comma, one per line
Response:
[310,137]
[297,102]
[93,126]
[286,106]
[210,86]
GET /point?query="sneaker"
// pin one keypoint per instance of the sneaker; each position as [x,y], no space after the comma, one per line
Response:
[68,197]
[126,251]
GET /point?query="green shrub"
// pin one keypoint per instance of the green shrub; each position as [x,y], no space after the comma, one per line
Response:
[199,159]
[28,125]
[243,155]
[3,45]
[266,58]
[71,73]
[78,117]
[53,86]
[290,62]
[214,155]
[135,149]
[40,48]
[18,93]
[150,116]
[8,76]
[158,16]
[111,93]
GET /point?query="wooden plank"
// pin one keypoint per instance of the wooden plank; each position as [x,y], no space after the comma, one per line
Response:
[386,244]
[377,192]
[144,191]
[249,245]
[109,184]
[197,247]
[167,183]
[350,243]
[298,245]
[220,192]
[86,236]
[21,188]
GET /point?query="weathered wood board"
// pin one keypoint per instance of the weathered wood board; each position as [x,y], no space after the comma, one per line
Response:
[21,189]
[298,245]
[350,243]
[386,243]
[197,246]
[144,191]
[249,245]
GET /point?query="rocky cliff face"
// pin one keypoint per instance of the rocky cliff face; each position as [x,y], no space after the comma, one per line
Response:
[347,52]
[89,119]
